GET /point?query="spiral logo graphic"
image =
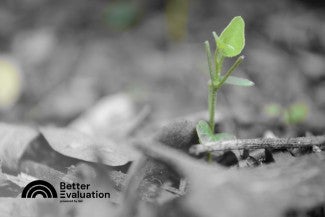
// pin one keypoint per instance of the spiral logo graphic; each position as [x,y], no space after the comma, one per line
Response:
[39,187]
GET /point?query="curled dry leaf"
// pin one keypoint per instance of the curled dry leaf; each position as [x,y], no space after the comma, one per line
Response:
[78,145]
[16,140]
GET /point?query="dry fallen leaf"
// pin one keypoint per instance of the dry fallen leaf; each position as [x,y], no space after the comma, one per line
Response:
[75,144]
[15,141]
[110,117]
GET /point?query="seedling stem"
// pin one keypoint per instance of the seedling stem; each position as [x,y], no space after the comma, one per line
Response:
[229,44]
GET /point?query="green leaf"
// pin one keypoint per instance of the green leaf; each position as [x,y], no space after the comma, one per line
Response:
[203,131]
[232,40]
[296,113]
[206,135]
[239,81]
[223,136]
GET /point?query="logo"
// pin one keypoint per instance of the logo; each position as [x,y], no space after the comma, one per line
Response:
[39,187]
[69,192]
[79,191]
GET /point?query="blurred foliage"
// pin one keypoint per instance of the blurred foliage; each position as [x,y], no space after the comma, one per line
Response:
[120,15]
[177,12]
[10,83]
[294,114]
[284,36]
[273,110]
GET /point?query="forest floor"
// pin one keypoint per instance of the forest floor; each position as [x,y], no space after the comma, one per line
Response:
[131,91]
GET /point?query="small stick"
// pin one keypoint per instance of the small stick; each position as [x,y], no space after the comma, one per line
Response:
[273,143]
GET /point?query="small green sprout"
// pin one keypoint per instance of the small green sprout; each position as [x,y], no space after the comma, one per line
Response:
[230,43]
[292,115]
[273,110]
[296,114]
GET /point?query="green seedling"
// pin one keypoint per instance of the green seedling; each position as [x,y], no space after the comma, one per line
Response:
[292,115]
[229,44]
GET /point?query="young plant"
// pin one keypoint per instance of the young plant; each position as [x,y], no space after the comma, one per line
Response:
[292,115]
[229,44]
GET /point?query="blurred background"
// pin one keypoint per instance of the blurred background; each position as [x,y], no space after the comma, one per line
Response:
[58,58]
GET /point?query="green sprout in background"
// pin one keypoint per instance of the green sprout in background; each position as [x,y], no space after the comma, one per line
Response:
[229,44]
[177,15]
[122,14]
[294,114]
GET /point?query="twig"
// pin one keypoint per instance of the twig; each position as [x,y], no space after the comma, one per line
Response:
[274,143]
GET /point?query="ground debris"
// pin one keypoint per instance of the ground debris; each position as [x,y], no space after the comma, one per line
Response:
[265,191]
